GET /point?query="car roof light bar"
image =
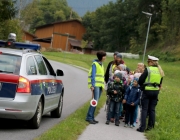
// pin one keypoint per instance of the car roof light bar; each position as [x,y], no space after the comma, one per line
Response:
[22,45]
[27,46]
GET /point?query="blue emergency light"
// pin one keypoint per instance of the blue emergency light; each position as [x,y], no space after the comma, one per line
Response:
[20,45]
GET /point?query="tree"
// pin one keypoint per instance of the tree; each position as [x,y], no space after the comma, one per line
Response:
[10,26]
[41,12]
[7,22]
[7,10]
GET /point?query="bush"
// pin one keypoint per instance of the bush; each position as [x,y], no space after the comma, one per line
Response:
[52,50]
[171,59]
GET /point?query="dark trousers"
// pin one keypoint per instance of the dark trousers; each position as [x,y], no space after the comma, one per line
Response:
[129,114]
[149,102]
[113,110]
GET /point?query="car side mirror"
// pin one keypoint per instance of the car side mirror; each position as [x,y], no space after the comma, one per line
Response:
[59,72]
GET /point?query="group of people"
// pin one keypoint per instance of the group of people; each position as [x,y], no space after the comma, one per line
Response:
[126,90]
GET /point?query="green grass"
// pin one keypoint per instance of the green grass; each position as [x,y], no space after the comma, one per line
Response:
[167,111]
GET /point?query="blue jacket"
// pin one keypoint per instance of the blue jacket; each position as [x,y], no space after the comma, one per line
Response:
[132,95]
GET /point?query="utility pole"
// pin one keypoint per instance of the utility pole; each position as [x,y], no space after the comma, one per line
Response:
[20,7]
[149,16]
[71,14]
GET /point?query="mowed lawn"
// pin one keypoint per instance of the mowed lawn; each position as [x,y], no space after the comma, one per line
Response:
[167,125]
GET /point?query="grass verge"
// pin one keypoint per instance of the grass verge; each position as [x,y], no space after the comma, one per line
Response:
[167,111]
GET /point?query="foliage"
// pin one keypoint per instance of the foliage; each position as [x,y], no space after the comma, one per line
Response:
[7,9]
[10,26]
[122,26]
[84,43]
[40,12]
[7,23]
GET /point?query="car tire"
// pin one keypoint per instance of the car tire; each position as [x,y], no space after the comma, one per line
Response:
[36,119]
[57,112]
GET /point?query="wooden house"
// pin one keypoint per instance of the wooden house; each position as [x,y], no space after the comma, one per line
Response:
[60,35]
[28,37]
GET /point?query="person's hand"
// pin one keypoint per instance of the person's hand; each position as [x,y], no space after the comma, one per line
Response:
[115,92]
[160,87]
[92,88]
[124,101]
[132,104]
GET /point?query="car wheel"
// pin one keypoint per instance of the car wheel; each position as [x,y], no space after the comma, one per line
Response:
[57,112]
[36,119]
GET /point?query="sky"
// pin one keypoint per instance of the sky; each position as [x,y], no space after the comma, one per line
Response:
[82,6]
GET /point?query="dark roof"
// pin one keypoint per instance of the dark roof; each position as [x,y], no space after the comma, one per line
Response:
[45,40]
[89,46]
[50,24]
[29,33]
[75,43]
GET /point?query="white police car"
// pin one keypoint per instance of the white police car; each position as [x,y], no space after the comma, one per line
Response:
[29,87]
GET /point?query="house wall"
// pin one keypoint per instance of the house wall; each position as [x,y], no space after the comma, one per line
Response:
[27,37]
[44,32]
[45,45]
[73,28]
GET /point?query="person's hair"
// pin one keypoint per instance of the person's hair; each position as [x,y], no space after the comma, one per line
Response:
[159,67]
[100,55]
[115,53]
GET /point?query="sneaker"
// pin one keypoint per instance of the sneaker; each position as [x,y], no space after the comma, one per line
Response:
[91,121]
[131,126]
[117,123]
[126,125]
[107,122]
[139,130]
[96,121]
[137,121]
[134,124]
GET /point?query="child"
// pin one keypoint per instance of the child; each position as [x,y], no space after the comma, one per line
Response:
[132,97]
[115,92]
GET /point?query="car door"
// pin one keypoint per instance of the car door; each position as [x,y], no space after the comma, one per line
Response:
[44,81]
[53,90]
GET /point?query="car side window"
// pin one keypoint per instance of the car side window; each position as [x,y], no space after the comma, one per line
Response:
[49,67]
[30,66]
[41,65]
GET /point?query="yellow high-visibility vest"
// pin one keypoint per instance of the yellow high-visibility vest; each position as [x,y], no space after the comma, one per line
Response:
[153,77]
[99,77]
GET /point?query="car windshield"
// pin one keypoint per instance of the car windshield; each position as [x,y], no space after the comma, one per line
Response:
[10,63]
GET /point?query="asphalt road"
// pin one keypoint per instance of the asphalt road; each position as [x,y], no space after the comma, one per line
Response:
[75,95]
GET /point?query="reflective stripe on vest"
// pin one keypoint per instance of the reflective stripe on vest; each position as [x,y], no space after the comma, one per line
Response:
[153,77]
[99,77]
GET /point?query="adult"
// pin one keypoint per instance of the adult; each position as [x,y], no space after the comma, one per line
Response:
[96,83]
[150,82]
[118,61]
[109,68]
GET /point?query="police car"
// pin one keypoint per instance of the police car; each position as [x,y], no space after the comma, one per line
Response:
[29,87]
